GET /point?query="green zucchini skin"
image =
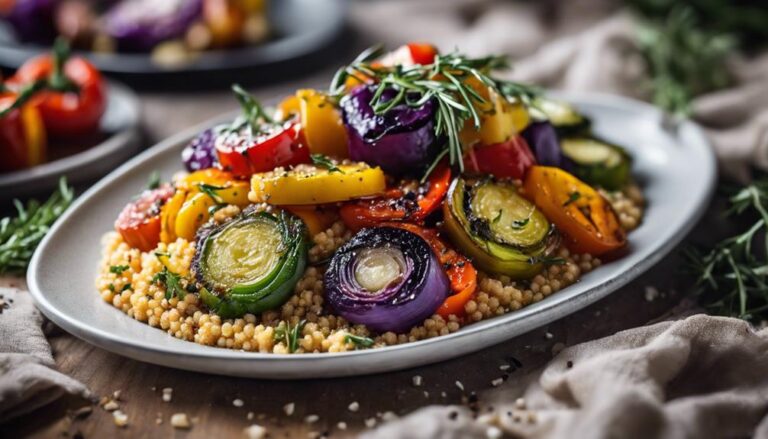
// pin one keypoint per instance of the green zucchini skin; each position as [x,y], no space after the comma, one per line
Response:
[566,120]
[598,162]
[270,291]
[488,251]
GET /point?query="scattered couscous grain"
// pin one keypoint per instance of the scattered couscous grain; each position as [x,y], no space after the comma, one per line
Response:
[180,420]
[120,419]
[255,431]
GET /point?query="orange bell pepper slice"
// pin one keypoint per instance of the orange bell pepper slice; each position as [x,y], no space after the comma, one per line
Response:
[580,212]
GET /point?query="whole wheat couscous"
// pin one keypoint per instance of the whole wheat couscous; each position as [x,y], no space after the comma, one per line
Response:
[372,217]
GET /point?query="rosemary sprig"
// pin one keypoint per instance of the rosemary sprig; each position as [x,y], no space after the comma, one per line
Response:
[290,335]
[683,59]
[20,236]
[446,81]
[732,276]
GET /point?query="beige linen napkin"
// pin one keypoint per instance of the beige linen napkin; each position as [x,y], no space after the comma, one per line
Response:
[27,377]
[702,377]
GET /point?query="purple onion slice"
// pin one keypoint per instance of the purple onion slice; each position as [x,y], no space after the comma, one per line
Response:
[400,141]
[387,279]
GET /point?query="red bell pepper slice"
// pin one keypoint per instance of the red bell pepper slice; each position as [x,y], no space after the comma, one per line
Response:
[510,159]
[396,206]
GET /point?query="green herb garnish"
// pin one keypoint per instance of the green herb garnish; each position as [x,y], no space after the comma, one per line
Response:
[126,287]
[358,341]
[445,81]
[573,196]
[172,283]
[211,191]
[732,276]
[118,269]
[289,335]
[324,162]
[683,59]
[519,224]
[154,180]
[20,235]
[497,218]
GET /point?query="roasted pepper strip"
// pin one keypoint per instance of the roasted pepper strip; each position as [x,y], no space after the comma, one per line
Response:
[579,211]
[321,124]
[458,268]
[394,207]
[307,184]
[500,119]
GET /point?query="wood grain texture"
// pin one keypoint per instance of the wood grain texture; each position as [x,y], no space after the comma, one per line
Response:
[207,399]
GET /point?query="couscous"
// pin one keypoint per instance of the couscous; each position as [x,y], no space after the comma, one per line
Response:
[374,215]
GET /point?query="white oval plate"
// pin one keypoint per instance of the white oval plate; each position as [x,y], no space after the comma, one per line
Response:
[677,172]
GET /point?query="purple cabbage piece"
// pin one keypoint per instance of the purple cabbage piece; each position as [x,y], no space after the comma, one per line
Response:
[545,145]
[400,141]
[32,20]
[416,295]
[200,152]
[140,25]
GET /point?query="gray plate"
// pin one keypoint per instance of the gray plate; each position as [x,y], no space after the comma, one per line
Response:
[677,172]
[120,125]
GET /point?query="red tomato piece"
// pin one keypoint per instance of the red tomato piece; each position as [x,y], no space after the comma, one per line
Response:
[139,222]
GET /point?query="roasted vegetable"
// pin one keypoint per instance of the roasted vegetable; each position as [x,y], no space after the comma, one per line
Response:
[500,119]
[139,25]
[498,229]
[256,143]
[508,159]
[195,195]
[388,279]
[400,139]
[309,184]
[399,204]
[542,139]
[562,115]
[580,212]
[200,152]
[32,20]
[139,221]
[460,271]
[321,124]
[23,140]
[250,264]
[597,162]
[73,97]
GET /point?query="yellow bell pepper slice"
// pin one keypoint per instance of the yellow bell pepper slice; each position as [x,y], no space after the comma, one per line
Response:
[228,189]
[500,119]
[168,214]
[321,122]
[192,215]
[307,184]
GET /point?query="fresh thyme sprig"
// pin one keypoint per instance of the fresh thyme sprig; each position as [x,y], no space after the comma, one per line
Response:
[447,81]
[732,276]
[20,235]
[360,342]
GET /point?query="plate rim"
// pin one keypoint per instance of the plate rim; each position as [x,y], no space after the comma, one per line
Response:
[532,316]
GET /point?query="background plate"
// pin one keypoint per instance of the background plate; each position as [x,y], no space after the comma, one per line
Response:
[677,172]
[306,34]
[120,126]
